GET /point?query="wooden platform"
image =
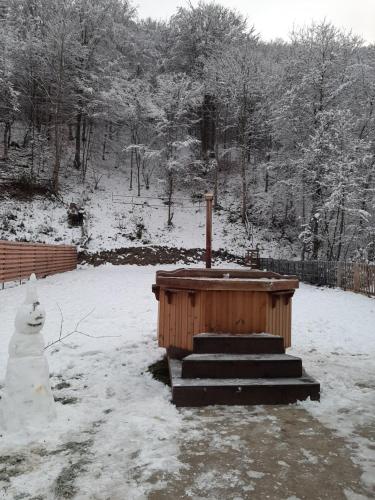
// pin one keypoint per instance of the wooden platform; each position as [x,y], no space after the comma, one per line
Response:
[234,371]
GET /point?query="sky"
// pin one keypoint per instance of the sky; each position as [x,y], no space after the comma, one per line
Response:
[275,18]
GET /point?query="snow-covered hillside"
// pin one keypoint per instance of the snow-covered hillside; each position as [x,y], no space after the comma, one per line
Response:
[118,436]
[119,218]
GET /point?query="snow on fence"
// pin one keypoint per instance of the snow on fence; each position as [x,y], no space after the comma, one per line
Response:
[19,260]
[347,275]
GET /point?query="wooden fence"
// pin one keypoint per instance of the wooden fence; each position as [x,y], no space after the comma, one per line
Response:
[19,260]
[346,275]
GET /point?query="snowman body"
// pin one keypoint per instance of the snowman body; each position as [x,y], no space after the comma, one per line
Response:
[28,399]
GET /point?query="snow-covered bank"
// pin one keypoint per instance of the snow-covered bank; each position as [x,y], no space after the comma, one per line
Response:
[116,426]
[117,218]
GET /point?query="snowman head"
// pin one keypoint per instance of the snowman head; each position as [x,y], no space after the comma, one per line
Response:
[30,315]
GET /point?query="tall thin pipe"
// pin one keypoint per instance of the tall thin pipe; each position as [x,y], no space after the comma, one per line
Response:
[209,197]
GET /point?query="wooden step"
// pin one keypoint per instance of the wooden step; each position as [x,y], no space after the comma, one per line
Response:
[241,366]
[237,391]
[209,343]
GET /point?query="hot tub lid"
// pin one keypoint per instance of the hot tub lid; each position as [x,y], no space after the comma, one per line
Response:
[225,279]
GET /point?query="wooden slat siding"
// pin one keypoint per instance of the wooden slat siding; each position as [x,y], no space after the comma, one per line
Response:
[162,318]
[19,260]
[278,319]
[167,320]
[182,333]
[262,320]
[270,326]
[355,277]
[184,299]
[233,318]
[253,310]
[177,299]
[245,315]
[250,312]
[217,320]
[231,309]
[197,314]
[172,321]
[290,315]
[206,312]
[268,315]
[225,309]
[190,319]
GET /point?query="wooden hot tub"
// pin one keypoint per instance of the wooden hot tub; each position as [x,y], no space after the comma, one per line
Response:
[195,301]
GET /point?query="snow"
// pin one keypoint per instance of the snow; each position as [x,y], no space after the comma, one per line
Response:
[333,332]
[116,426]
[105,375]
[114,213]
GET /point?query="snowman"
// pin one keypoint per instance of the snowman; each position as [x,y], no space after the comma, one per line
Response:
[27,400]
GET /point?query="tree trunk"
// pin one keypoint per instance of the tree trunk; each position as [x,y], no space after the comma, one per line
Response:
[104,144]
[315,240]
[217,163]
[341,231]
[244,146]
[77,155]
[32,150]
[314,221]
[244,187]
[58,146]
[216,184]
[86,150]
[6,140]
[9,134]
[86,139]
[170,195]
[57,165]
[268,159]
[58,120]
[70,132]
[138,160]
[208,126]
[131,169]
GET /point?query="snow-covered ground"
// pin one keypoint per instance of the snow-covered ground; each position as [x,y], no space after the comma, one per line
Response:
[116,428]
[334,333]
[115,212]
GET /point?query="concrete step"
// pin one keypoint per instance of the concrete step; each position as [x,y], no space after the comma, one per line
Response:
[241,366]
[255,343]
[238,391]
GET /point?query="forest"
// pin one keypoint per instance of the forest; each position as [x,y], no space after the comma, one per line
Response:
[285,129]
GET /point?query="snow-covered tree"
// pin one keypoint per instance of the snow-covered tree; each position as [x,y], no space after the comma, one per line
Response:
[178,98]
[198,33]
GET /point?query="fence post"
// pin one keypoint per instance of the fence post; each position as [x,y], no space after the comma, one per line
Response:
[356,278]
[339,275]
